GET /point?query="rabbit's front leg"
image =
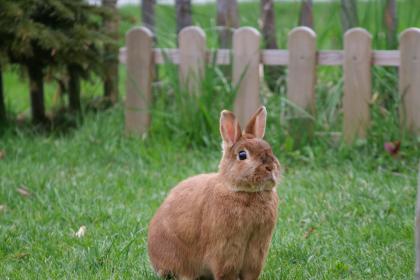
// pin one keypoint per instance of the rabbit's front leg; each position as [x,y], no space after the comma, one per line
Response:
[255,257]
[225,269]
[226,275]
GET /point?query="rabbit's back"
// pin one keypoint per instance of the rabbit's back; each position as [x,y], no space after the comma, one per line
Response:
[175,232]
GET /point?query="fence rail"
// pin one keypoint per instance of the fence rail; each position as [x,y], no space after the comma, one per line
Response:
[301,58]
[270,57]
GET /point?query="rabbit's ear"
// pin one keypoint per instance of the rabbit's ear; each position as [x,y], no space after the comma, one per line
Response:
[229,128]
[256,125]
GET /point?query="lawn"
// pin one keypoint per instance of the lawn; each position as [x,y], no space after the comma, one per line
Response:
[346,212]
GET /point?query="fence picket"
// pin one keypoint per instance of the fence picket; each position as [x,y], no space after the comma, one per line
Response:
[410,80]
[192,50]
[301,80]
[139,80]
[357,83]
[246,61]
[301,59]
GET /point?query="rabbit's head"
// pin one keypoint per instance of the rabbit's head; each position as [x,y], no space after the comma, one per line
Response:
[248,163]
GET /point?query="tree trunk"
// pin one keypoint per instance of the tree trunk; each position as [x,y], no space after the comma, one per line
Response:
[74,90]
[36,86]
[111,54]
[390,85]
[306,15]
[349,17]
[227,21]
[148,14]
[183,14]
[390,20]
[268,24]
[272,74]
[2,103]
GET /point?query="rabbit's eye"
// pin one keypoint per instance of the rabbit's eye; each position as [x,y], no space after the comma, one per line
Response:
[242,155]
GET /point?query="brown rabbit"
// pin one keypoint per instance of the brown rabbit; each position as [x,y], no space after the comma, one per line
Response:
[219,225]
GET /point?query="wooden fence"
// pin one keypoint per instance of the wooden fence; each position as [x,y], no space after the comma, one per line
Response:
[301,58]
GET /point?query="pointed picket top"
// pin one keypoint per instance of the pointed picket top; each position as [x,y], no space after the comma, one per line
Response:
[192,48]
[246,76]
[410,80]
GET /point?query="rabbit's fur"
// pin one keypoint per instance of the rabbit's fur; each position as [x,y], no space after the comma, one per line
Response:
[219,225]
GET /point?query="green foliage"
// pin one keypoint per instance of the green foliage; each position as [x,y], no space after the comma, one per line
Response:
[52,33]
[65,37]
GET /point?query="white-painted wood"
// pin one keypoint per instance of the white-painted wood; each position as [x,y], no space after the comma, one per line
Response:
[301,75]
[410,79]
[272,57]
[139,80]
[357,83]
[246,61]
[163,56]
[386,58]
[192,58]
[220,56]
[330,57]
[122,55]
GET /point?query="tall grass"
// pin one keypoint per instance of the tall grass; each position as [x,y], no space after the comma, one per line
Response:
[327,23]
[190,118]
[183,116]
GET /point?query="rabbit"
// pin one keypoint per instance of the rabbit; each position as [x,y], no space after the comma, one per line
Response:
[219,225]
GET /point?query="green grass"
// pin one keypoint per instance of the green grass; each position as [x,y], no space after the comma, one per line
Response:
[345,212]
[359,203]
